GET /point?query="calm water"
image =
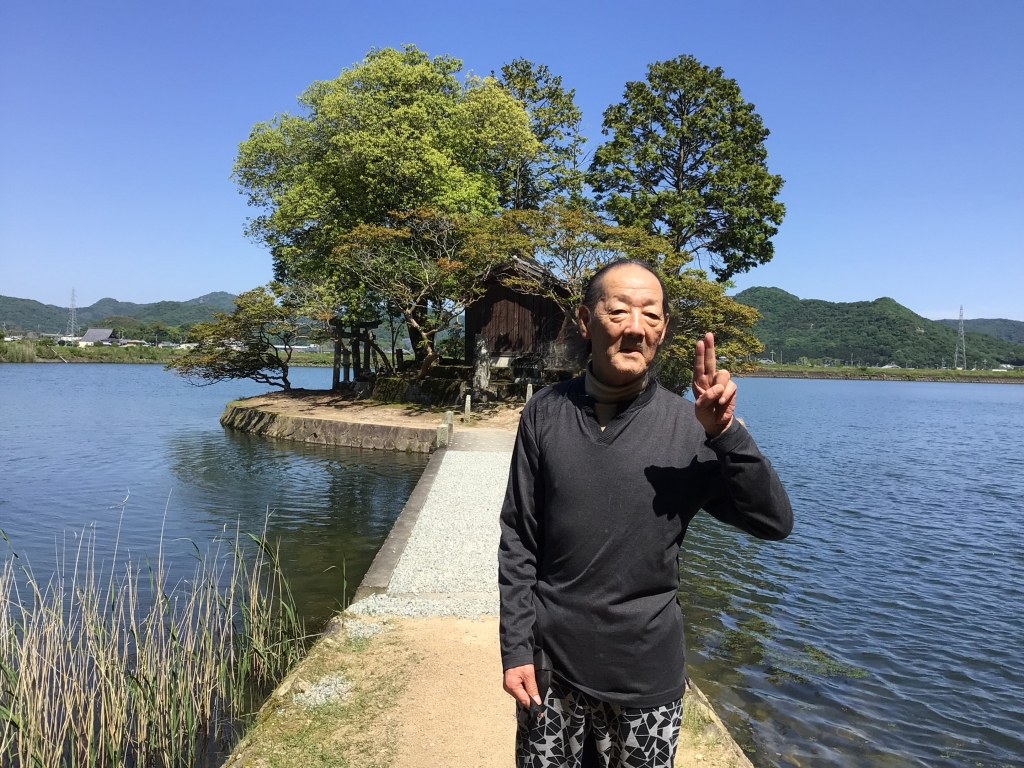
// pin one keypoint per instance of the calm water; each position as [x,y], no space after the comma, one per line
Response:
[76,439]
[888,630]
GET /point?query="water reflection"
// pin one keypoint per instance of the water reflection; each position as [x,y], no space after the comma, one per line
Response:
[330,508]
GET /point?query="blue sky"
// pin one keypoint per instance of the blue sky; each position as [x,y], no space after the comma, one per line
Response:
[898,126]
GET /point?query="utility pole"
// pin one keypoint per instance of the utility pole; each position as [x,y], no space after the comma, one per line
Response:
[960,355]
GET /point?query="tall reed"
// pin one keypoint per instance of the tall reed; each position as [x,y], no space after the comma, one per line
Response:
[17,351]
[117,666]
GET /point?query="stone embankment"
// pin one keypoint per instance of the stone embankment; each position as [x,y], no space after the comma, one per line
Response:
[309,422]
[416,658]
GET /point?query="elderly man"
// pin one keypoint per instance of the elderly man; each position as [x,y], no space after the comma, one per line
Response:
[607,472]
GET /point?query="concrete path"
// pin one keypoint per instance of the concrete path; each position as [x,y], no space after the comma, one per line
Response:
[446,563]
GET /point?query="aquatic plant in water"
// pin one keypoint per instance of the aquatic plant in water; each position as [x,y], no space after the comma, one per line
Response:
[118,666]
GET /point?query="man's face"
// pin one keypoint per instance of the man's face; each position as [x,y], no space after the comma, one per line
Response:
[627,324]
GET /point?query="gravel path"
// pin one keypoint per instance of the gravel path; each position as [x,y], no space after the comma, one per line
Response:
[449,566]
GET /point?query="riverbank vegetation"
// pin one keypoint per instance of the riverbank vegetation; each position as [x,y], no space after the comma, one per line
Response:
[398,187]
[34,351]
[119,665]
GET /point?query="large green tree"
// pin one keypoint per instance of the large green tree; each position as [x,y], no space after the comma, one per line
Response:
[395,132]
[555,171]
[686,159]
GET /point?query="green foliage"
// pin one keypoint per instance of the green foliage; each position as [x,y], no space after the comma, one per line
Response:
[426,266]
[555,171]
[453,345]
[699,305]
[1007,330]
[573,242]
[46,318]
[17,351]
[254,342]
[686,159]
[871,332]
[393,133]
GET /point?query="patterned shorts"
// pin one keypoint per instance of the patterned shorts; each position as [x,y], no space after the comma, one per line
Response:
[625,737]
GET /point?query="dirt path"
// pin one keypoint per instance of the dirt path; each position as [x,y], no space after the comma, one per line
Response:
[453,711]
[419,693]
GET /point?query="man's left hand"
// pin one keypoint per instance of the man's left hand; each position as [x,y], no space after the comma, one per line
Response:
[713,390]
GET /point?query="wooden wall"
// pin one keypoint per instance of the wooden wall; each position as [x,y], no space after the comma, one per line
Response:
[514,323]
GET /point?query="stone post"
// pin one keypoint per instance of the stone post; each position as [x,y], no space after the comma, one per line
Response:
[529,391]
[481,365]
[449,419]
[442,435]
[469,408]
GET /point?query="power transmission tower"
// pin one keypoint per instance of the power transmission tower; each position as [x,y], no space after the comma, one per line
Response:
[72,317]
[960,355]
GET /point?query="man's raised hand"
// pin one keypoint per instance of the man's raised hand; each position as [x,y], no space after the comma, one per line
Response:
[714,391]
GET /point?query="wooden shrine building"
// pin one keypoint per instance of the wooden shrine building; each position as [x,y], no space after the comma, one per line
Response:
[515,323]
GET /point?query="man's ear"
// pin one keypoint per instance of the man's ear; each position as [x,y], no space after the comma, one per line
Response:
[664,331]
[583,318]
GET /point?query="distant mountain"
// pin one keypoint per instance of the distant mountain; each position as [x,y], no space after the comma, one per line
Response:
[29,315]
[1007,330]
[872,332]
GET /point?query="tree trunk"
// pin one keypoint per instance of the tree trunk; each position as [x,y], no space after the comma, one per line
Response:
[428,361]
[419,341]
[367,341]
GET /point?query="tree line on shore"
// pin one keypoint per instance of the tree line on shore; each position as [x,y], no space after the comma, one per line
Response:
[874,333]
[397,185]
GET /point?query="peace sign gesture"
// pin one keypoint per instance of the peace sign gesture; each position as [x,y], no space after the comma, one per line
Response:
[714,391]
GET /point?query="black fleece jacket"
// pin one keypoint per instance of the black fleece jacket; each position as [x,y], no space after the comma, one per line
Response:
[591,526]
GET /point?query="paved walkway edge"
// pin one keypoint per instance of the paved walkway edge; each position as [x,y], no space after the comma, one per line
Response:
[742,761]
[378,577]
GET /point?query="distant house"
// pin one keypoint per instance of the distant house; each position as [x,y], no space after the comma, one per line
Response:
[95,336]
[515,323]
[890,365]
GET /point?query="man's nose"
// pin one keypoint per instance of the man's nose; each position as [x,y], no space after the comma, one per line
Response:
[635,325]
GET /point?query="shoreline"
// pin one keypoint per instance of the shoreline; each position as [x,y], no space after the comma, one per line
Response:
[836,375]
[324,417]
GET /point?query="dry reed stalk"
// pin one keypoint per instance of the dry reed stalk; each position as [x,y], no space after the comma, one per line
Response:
[124,668]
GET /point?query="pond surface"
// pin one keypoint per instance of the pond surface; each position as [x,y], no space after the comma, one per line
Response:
[77,439]
[886,631]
